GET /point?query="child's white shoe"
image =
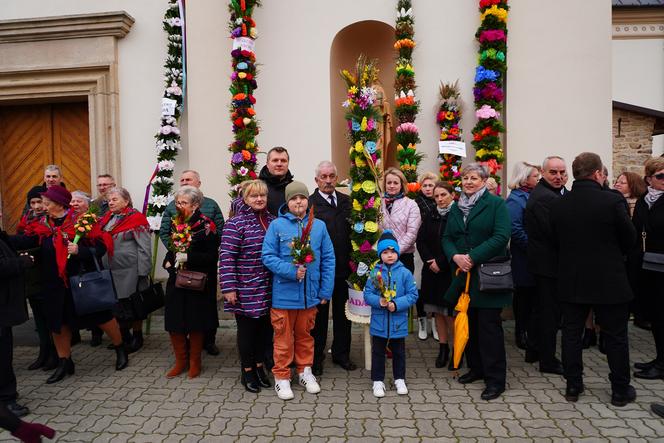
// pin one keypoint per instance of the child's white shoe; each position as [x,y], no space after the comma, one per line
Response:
[308,380]
[283,389]
[379,389]
[400,384]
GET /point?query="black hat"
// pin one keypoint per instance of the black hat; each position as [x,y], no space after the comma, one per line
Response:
[35,192]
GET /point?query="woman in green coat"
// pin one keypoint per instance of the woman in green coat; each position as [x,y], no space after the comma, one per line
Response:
[478,229]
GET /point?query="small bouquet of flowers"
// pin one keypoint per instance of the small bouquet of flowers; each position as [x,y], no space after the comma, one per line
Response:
[388,292]
[180,236]
[300,248]
[83,226]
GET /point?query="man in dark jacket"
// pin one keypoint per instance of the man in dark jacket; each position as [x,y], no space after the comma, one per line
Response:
[14,312]
[276,176]
[105,182]
[593,233]
[542,264]
[334,209]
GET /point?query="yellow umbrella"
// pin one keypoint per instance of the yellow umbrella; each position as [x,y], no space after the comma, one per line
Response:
[461,323]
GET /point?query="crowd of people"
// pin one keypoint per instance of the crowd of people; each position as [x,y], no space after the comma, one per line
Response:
[581,260]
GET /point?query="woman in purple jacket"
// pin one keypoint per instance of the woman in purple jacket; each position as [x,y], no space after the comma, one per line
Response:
[245,283]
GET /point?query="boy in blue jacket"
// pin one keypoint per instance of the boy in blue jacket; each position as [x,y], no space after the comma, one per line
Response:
[296,289]
[390,291]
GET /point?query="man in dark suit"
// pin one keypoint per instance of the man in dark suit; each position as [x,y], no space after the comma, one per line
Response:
[542,264]
[333,208]
[593,233]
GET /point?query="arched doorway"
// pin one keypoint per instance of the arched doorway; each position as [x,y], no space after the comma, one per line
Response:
[374,39]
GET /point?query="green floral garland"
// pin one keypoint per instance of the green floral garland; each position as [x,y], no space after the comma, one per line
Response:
[406,106]
[364,120]
[168,137]
[449,120]
[489,82]
[243,83]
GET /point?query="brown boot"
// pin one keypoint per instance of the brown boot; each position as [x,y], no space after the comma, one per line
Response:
[195,349]
[179,343]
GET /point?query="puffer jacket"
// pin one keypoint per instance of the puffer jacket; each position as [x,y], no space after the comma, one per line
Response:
[240,266]
[318,283]
[404,220]
[384,323]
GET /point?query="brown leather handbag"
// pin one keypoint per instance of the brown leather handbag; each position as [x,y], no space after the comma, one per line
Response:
[192,280]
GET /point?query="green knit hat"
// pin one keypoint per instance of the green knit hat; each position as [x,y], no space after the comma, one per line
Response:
[296,188]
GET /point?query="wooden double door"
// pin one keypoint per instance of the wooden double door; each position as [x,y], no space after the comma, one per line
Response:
[34,136]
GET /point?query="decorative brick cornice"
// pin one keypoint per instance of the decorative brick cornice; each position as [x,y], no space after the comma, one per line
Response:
[638,23]
[116,24]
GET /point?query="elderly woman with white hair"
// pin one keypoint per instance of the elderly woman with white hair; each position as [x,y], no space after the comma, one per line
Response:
[190,311]
[127,238]
[477,232]
[524,178]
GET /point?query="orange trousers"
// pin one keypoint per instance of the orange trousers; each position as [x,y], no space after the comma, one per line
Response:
[292,340]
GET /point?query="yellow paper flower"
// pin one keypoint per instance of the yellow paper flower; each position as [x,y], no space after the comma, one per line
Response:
[352,90]
[369,187]
[356,287]
[356,205]
[360,163]
[357,187]
[359,147]
[499,13]
[443,135]
[370,226]
[354,245]
[242,74]
[377,203]
[363,125]
[399,147]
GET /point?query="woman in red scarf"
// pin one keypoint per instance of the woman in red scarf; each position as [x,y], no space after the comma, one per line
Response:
[126,235]
[53,233]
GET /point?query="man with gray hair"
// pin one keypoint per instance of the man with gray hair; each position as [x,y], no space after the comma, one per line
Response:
[542,263]
[52,177]
[105,182]
[333,208]
[210,209]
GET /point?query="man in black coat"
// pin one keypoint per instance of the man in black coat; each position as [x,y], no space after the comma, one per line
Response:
[334,209]
[593,233]
[14,311]
[542,263]
[276,176]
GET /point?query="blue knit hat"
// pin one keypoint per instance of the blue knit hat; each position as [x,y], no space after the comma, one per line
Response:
[387,240]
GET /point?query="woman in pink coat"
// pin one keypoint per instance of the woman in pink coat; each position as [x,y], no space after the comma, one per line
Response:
[401,215]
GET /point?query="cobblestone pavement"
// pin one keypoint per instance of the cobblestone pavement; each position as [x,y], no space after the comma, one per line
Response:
[140,405]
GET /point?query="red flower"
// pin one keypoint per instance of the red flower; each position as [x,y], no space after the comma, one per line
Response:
[308,259]
[253,175]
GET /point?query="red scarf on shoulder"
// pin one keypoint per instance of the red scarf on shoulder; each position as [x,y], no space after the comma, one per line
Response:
[62,234]
[130,220]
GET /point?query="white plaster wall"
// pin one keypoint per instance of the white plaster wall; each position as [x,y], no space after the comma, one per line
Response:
[140,57]
[638,76]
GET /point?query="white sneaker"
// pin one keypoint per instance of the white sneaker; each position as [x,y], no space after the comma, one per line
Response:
[400,384]
[283,389]
[379,389]
[434,330]
[422,325]
[308,380]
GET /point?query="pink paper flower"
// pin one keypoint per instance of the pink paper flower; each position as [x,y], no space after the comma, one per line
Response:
[492,35]
[486,111]
[407,127]
[366,247]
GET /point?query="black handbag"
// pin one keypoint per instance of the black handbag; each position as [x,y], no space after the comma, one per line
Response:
[652,261]
[496,275]
[148,300]
[93,291]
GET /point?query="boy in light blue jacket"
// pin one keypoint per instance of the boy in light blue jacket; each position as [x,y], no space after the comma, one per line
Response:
[390,291]
[296,289]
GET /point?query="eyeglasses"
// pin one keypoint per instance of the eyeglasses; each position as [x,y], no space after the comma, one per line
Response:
[659,176]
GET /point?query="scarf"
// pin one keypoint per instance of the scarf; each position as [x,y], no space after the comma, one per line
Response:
[47,228]
[525,188]
[130,220]
[652,196]
[444,211]
[467,203]
[390,199]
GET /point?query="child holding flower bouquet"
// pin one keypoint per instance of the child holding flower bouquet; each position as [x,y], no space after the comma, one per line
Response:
[390,291]
[299,252]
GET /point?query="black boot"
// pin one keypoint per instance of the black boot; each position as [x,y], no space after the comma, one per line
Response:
[589,338]
[263,379]
[136,342]
[250,381]
[121,357]
[443,355]
[126,338]
[65,367]
[41,360]
[601,344]
[52,359]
